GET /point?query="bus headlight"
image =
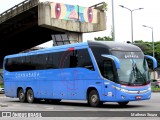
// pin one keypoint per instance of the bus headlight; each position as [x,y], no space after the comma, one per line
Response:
[124,90]
[149,89]
[120,89]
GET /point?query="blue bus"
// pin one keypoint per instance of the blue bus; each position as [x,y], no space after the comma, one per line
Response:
[94,71]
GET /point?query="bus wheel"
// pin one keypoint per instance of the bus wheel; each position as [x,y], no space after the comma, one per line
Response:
[21,96]
[123,103]
[93,99]
[30,96]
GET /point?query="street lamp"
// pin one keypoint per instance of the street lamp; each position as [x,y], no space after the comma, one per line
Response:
[152,44]
[152,38]
[113,26]
[131,18]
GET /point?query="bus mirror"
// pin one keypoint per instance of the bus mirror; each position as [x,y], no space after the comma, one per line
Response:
[115,59]
[153,59]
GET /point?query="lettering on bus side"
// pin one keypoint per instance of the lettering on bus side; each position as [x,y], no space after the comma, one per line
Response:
[27,75]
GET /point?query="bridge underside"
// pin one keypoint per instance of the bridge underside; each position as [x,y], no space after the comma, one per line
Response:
[31,23]
[22,32]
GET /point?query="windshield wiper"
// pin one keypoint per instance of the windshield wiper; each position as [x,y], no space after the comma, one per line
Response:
[140,73]
[123,82]
[132,74]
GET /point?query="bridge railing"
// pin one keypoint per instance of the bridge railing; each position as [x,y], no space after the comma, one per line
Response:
[25,5]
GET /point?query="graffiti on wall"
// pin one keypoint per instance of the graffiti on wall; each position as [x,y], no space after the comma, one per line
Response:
[73,12]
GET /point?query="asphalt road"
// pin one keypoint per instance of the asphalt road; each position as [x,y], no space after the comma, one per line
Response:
[67,108]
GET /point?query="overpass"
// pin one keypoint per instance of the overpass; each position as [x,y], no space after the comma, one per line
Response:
[32,22]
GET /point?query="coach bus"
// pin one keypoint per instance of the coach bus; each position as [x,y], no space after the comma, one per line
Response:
[94,71]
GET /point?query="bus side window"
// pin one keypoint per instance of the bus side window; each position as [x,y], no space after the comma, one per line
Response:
[73,61]
[84,59]
[8,64]
[108,72]
[80,58]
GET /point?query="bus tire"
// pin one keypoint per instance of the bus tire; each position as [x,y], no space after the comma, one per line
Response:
[123,103]
[30,96]
[93,98]
[21,96]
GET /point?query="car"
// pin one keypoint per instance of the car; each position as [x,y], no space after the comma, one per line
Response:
[1,90]
[155,83]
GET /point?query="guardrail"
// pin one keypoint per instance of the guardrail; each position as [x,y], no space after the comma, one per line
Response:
[23,6]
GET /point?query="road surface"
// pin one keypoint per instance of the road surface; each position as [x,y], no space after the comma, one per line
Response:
[67,108]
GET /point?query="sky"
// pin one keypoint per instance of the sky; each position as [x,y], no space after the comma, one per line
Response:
[149,16]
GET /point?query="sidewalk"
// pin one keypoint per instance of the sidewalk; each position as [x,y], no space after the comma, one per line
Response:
[2,95]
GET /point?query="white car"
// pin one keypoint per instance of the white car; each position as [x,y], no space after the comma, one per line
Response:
[1,90]
[155,83]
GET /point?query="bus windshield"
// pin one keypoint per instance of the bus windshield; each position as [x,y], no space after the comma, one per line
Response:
[134,68]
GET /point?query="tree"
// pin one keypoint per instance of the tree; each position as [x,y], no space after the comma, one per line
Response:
[148,49]
[106,38]
[143,45]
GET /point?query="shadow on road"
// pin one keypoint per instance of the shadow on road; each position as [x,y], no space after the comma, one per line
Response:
[68,103]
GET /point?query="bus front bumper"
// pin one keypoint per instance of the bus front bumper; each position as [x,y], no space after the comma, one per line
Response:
[133,95]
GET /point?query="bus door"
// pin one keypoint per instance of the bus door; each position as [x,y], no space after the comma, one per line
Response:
[109,75]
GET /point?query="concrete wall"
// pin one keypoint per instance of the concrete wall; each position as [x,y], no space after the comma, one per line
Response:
[47,18]
[72,20]
[56,18]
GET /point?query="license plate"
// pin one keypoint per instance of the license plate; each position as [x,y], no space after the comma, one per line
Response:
[138,97]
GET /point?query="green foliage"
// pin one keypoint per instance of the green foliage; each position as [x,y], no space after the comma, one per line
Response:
[101,6]
[106,38]
[1,86]
[138,41]
[105,6]
[147,48]
[154,89]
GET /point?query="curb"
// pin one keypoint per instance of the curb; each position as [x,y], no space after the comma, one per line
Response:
[155,91]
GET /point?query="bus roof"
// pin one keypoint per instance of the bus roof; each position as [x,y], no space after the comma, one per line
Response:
[117,46]
[53,49]
[105,44]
